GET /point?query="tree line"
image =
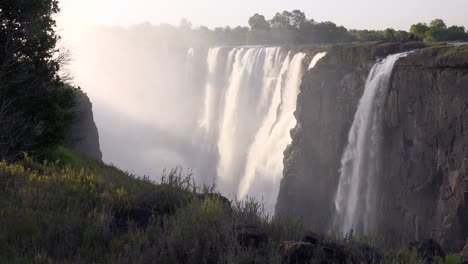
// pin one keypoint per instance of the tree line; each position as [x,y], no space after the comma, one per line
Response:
[293,27]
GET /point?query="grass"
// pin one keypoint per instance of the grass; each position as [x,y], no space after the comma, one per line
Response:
[77,210]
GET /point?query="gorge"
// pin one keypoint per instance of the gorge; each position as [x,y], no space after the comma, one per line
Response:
[411,127]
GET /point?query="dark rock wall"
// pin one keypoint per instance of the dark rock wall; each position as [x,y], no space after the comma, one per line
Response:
[423,187]
[84,136]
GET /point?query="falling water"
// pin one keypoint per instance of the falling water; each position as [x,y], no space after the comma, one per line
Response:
[264,167]
[356,196]
[250,98]
[316,59]
[254,75]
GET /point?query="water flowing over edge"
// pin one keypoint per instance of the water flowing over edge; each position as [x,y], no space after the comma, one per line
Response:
[250,99]
[356,196]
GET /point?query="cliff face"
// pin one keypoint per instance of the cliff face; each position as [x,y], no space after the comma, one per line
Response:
[84,136]
[423,187]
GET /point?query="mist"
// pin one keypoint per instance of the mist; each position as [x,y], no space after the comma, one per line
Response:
[216,102]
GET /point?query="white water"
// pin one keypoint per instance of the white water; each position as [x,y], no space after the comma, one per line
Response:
[316,59]
[250,99]
[356,196]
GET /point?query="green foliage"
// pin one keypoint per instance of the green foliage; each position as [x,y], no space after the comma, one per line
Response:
[438,31]
[35,105]
[419,30]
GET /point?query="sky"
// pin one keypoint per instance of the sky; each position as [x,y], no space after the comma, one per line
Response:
[358,14]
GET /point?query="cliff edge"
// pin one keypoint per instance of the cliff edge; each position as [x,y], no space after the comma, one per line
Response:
[84,135]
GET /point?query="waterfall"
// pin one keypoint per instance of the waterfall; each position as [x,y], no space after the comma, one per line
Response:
[316,59]
[264,166]
[356,196]
[250,99]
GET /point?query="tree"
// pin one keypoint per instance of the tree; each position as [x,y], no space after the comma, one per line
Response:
[456,33]
[259,30]
[389,34]
[419,30]
[438,24]
[401,35]
[185,24]
[297,19]
[31,90]
[258,22]
[281,20]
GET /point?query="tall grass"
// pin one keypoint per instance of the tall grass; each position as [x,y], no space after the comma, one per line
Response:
[76,210]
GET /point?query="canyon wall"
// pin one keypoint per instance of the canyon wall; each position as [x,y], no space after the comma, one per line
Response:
[423,186]
[84,135]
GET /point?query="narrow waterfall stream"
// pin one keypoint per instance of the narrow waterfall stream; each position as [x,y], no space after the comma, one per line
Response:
[357,195]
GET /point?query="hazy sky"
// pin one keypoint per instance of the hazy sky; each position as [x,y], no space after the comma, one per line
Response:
[371,14]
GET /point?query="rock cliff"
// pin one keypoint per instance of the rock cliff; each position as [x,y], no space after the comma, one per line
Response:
[84,136]
[424,185]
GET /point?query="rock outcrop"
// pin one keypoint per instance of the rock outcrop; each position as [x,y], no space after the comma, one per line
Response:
[423,189]
[84,136]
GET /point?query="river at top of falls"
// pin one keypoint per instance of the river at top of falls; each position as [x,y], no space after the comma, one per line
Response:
[356,196]
[248,113]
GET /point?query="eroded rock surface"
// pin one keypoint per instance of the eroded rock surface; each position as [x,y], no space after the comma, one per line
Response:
[423,187]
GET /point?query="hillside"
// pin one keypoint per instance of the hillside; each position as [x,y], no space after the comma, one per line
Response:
[76,210]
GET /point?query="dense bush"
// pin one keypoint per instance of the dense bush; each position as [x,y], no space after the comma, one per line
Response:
[34,103]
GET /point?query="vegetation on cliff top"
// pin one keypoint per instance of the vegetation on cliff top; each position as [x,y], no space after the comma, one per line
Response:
[293,27]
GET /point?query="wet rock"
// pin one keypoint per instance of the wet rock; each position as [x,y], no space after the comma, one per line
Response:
[429,249]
